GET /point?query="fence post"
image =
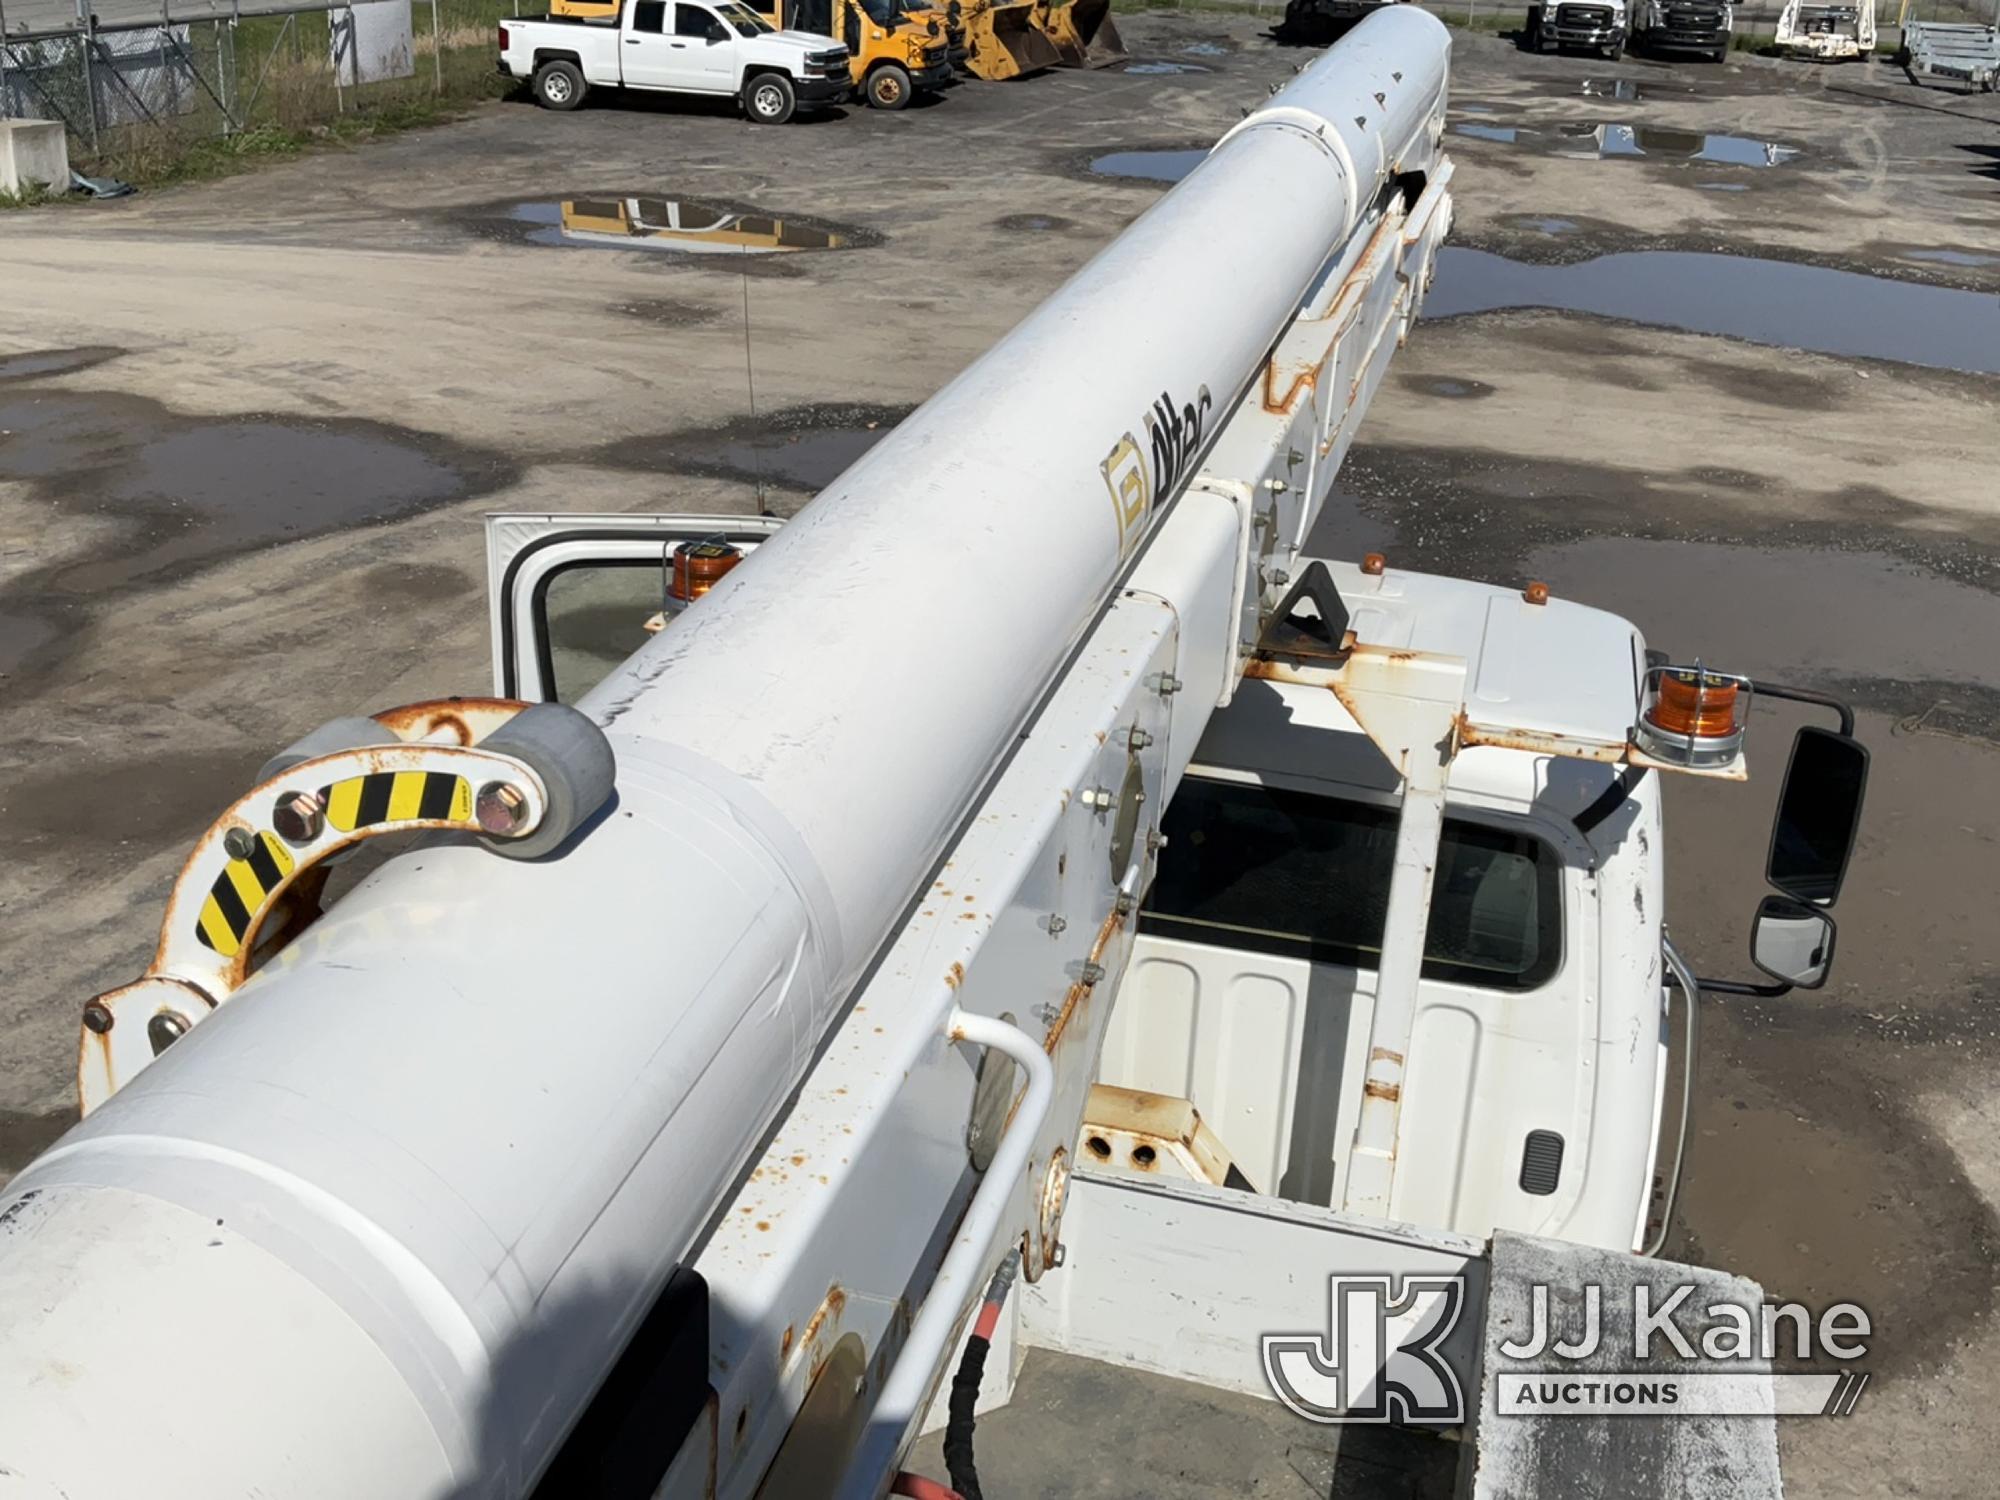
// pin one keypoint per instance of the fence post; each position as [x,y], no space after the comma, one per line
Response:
[6,96]
[437,53]
[89,77]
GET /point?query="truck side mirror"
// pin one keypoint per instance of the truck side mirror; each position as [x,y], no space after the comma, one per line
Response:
[717,32]
[1819,815]
[1792,941]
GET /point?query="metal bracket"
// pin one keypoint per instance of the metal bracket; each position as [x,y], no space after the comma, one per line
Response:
[253,881]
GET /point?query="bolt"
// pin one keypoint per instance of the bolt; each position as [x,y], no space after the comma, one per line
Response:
[166,1028]
[1155,842]
[1097,797]
[1169,684]
[1293,458]
[239,842]
[501,808]
[1058,923]
[1124,904]
[97,1018]
[1138,739]
[1092,973]
[1277,578]
[1276,486]
[1374,564]
[298,817]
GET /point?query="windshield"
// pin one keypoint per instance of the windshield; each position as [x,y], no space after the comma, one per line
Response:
[746,21]
[1274,871]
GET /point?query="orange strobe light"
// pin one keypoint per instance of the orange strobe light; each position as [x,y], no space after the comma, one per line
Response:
[1693,717]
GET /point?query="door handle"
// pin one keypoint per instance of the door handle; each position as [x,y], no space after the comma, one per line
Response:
[631,41]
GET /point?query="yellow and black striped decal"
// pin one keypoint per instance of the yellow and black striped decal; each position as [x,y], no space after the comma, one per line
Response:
[397,797]
[239,892]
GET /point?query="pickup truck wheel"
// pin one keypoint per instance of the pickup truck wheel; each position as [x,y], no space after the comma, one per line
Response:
[889,86]
[770,99]
[558,85]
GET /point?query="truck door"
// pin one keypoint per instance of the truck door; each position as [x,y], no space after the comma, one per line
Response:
[568,597]
[702,49]
[649,58]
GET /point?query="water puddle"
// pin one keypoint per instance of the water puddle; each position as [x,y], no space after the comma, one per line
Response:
[1034,223]
[801,448]
[1450,387]
[1625,90]
[54,361]
[1618,141]
[1723,187]
[1761,301]
[1204,49]
[1969,258]
[1542,225]
[187,490]
[685,226]
[1151,166]
[1484,111]
[1161,67]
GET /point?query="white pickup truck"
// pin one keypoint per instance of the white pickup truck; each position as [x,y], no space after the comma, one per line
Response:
[678,47]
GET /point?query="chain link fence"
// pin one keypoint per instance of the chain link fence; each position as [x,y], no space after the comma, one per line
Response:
[139,92]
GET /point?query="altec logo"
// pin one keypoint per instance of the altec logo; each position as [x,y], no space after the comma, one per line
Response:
[1383,1357]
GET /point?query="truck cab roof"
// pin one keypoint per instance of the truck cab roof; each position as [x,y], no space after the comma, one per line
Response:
[1554,668]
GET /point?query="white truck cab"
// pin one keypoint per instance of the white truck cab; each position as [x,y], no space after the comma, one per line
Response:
[1246,1038]
[1537,1050]
[720,48]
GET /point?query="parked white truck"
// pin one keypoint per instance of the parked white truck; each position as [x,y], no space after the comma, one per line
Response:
[1701,27]
[1599,25]
[722,49]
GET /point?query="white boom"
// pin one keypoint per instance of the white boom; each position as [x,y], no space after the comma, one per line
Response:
[382,1222]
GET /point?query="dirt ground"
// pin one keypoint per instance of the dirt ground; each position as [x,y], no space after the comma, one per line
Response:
[247,431]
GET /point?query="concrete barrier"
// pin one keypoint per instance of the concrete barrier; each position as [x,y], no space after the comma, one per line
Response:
[33,153]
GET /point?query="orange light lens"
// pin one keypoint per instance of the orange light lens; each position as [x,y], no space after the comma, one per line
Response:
[699,566]
[1705,709]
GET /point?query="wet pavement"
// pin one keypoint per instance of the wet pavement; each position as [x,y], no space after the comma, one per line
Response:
[1149,166]
[797,450]
[1618,139]
[1762,301]
[673,226]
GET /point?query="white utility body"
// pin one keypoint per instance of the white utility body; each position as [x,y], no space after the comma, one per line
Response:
[1026,854]
[712,47]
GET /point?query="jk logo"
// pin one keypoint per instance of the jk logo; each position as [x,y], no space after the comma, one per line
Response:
[1379,1359]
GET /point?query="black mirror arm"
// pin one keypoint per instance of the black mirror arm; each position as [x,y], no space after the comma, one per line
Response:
[1807,695]
[1742,987]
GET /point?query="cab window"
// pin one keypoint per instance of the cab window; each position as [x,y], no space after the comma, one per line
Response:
[650,16]
[746,21]
[692,20]
[1293,873]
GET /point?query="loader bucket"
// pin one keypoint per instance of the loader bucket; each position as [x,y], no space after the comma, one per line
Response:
[1082,32]
[1001,40]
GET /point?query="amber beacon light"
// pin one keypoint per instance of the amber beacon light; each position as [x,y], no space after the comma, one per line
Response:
[697,568]
[1691,716]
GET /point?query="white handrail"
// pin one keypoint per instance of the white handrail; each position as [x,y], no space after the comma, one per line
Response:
[961,1277]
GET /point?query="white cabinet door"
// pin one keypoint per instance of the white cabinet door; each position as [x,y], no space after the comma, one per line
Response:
[569,596]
